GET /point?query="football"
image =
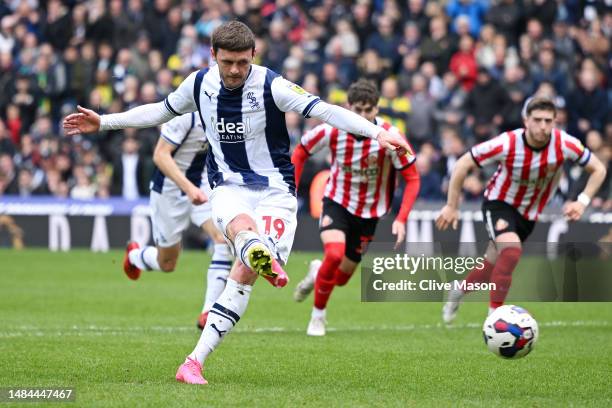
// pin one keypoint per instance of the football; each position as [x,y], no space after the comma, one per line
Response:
[510,332]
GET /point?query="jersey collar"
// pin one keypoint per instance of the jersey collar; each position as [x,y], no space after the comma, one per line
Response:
[536,149]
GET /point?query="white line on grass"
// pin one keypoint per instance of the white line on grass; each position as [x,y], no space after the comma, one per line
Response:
[93,330]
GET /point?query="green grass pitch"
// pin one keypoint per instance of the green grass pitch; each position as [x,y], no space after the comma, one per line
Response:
[73,319]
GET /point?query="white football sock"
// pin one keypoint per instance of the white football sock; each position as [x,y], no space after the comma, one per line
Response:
[145,258]
[223,316]
[318,313]
[242,242]
[218,270]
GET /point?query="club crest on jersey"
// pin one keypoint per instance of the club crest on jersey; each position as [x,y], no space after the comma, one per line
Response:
[253,100]
[501,225]
[231,132]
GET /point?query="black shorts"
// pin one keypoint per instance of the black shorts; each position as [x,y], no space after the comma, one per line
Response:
[501,217]
[359,231]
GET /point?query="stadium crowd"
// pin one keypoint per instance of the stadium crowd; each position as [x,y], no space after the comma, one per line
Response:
[452,73]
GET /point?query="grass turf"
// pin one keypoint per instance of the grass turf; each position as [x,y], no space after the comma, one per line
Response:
[73,319]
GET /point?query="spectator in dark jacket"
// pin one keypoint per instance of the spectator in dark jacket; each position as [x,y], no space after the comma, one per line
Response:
[587,105]
[485,105]
[131,172]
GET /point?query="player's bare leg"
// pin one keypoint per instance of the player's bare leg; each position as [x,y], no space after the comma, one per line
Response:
[218,270]
[149,258]
[478,274]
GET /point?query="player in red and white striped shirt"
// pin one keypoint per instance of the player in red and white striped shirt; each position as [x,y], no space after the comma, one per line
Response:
[529,165]
[358,193]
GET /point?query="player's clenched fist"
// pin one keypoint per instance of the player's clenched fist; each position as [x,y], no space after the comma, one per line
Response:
[196,196]
[85,121]
[448,216]
[393,141]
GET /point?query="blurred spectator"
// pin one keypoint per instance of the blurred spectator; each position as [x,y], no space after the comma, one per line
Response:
[6,144]
[452,149]
[57,25]
[131,172]
[451,101]
[438,46]
[431,180]
[463,63]
[485,106]
[548,69]
[545,11]
[588,105]
[362,17]
[278,47]
[393,107]
[83,188]
[384,41]
[411,41]
[505,16]
[410,66]
[8,178]
[474,10]
[415,12]
[422,109]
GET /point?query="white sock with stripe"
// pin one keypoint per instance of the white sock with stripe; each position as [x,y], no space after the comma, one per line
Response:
[223,316]
[145,258]
[242,242]
[218,271]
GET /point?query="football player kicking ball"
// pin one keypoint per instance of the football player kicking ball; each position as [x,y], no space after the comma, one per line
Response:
[179,194]
[358,192]
[529,165]
[241,106]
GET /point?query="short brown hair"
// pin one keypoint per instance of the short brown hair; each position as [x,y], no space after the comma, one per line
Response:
[363,91]
[233,36]
[540,103]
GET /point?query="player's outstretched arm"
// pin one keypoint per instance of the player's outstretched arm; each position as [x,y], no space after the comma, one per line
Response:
[573,211]
[351,122]
[449,215]
[88,121]
[162,157]
[152,114]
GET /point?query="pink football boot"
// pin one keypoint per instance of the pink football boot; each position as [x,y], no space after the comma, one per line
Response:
[190,372]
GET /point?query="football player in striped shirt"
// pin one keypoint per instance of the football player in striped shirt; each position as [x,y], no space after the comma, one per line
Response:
[358,193]
[529,165]
[242,109]
[179,195]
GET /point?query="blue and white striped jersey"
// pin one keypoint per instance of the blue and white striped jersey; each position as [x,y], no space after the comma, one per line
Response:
[245,127]
[186,133]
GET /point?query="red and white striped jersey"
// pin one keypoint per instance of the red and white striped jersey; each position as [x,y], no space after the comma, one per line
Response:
[362,176]
[526,178]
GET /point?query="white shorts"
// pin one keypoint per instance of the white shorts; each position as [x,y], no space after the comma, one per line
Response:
[170,216]
[273,210]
